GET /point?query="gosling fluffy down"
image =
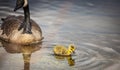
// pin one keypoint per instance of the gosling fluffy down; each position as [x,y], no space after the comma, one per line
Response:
[63,51]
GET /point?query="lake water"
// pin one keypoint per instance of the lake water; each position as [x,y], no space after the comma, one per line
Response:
[93,26]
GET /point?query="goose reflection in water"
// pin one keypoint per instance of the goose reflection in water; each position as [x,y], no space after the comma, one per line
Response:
[26,51]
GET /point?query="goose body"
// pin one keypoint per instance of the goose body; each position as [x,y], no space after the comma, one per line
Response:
[63,51]
[21,29]
[11,33]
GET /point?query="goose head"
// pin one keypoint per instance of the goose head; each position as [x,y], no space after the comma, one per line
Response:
[20,4]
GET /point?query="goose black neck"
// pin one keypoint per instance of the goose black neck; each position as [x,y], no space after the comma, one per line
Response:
[26,14]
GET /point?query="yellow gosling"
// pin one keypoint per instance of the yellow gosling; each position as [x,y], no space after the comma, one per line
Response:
[63,51]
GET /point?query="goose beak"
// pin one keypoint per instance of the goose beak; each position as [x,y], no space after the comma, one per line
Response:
[19,4]
[16,8]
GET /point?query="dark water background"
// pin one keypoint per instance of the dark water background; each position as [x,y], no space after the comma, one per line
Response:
[92,25]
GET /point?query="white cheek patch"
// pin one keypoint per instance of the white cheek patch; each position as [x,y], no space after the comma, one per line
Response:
[25,3]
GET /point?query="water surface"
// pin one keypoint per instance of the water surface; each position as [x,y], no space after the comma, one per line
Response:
[92,25]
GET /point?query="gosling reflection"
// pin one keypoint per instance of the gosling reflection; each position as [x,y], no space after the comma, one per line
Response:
[70,60]
[26,51]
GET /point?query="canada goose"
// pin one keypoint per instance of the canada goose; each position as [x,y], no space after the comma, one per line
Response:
[63,51]
[19,29]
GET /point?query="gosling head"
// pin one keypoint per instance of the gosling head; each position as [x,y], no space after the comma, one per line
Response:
[71,49]
[20,4]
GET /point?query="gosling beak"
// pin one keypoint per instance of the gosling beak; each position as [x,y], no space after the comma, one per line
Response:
[74,52]
[19,4]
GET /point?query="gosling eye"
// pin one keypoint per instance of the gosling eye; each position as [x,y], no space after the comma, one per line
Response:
[72,47]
